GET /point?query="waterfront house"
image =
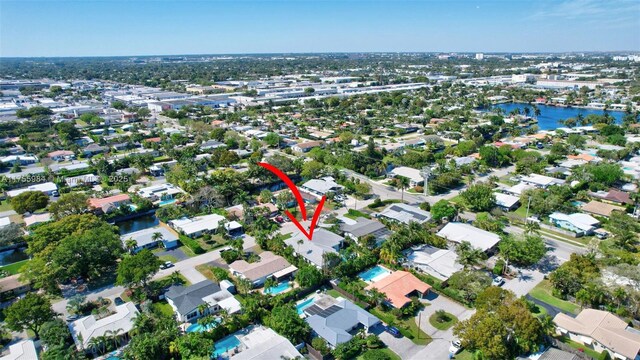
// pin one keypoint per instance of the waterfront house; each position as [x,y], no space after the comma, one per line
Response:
[89,327]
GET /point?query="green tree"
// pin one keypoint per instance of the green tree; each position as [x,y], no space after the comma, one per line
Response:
[443,209]
[69,204]
[312,169]
[468,255]
[136,270]
[308,276]
[272,139]
[30,312]
[29,201]
[479,197]
[524,251]
[285,321]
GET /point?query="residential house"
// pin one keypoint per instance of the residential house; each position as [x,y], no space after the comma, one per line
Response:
[82,180]
[506,202]
[211,145]
[580,224]
[11,286]
[307,146]
[108,204]
[163,192]
[61,155]
[615,196]
[4,221]
[439,263]
[205,224]
[458,232]
[259,342]
[600,331]
[94,149]
[600,208]
[337,321]
[47,188]
[399,287]
[541,181]
[89,327]
[323,241]
[405,213]
[414,175]
[269,266]
[22,350]
[322,186]
[152,237]
[19,159]
[195,301]
[362,227]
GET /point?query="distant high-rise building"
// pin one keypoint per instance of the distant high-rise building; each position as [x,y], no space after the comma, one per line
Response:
[479,56]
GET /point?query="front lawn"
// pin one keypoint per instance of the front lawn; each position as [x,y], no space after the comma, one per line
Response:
[14,268]
[391,355]
[5,206]
[408,327]
[334,293]
[171,258]
[163,308]
[354,214]
[542,292]
[442,321]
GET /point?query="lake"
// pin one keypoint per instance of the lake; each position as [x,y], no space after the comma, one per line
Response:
[140,223]
[549,115]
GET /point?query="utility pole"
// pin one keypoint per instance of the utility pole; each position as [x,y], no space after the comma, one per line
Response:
[526,220]
[426,172]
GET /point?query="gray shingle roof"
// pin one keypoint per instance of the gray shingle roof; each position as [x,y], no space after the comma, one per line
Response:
[188,298]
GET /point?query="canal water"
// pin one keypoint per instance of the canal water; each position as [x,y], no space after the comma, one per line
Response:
[549,115]
[139,223]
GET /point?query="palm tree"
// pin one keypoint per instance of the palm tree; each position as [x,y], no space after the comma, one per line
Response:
[402,183]
[531,227]
[130,244]
[536,112]
[157,236]
[202,308]
[548,327]
[114,335]
[94,345]
[299,242]
[376,296]
[469,255]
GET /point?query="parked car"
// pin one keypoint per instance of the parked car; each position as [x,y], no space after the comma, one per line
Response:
[166,265]
[55,193]
[72,318]
[497,281]
[118,301]
[394,331]
[455,347]
[279,219]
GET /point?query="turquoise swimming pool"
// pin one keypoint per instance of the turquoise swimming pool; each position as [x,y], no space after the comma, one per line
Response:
[223,346]
[283,286]
[303,305]
[167,202]
[200,328]
[373,273]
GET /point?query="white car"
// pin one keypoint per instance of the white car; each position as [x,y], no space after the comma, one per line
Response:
[497,281]
[455,347]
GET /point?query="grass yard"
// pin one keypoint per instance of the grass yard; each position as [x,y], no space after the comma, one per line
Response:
[464,355]
[163,307]
[408,327]
[205,270]
[5,206]
[171,258]
[15,267]
[542,292]
[442,324]
[594,354]
[354,214]
[334,293]
[457,199]
[521,212]
[387,351]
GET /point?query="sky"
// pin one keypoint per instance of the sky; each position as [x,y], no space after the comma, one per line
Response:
[113,28]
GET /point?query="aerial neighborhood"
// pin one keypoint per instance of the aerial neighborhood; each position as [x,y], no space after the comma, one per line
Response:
[469,206]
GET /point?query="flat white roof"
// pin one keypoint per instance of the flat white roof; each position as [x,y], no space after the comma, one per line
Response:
[45,187]
[202,223]
[90,327]
[264,343]
[478,238]
[505,199]
[411,173]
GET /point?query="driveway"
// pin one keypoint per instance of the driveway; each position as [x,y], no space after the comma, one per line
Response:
[404,347]
[176,253]
[525,281]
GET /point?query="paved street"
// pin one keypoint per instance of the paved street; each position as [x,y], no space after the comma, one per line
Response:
[186,267]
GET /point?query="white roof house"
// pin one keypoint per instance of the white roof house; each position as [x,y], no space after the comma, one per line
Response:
[160,191]
[323,241]
[439,263]
[46,188]
[198,225]
[4,222]
[414,176]
[506,201]
[405,213]
[458,232]
[23,350]
[579,223]
[145,238]
[519,188]
[322,186]
[89,327]
[264,343]
[541,181]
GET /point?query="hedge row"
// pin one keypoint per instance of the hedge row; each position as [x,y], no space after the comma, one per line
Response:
[191,244]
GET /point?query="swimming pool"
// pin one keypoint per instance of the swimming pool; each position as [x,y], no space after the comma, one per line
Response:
[227,344]
[167,202]
[282,287]
[374,274]
[200,328]
[304,304]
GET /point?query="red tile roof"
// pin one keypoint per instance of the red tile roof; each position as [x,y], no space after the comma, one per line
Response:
[398,285]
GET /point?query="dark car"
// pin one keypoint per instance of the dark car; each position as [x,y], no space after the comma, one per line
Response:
[118,301]
[72,318]
[279,219]
[394,331]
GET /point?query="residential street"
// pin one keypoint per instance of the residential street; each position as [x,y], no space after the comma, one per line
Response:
[186,267]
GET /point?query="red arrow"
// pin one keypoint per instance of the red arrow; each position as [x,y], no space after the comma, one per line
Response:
[296,194]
